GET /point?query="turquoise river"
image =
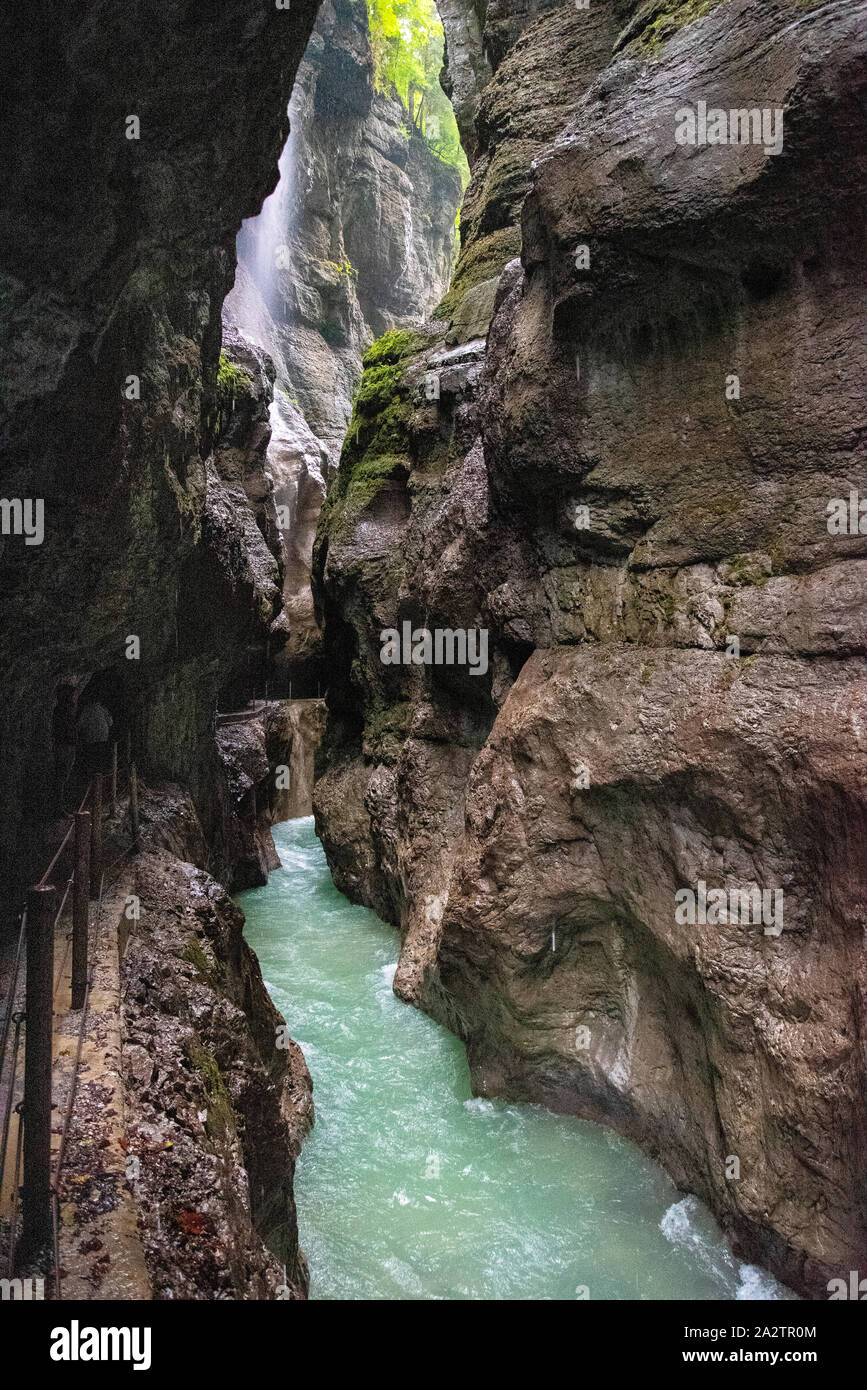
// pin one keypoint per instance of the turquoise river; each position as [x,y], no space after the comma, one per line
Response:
[408,1187]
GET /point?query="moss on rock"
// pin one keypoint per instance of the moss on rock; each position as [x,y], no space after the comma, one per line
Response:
[482,260]
[657,21]
[232,381]
[377,442]
[386,726]
[196,957]
[221,1123]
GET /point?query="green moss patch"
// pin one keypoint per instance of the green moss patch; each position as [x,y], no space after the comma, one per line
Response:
[195,956]
[393,347]
[659,20]
[233,383]
[386,728]
[220,1123]
[377,442]
[482,260]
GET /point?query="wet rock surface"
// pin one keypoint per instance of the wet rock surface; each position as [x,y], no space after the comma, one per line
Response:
[156,585]
[218,1097]
[673,684]
[267,766]
[117,254]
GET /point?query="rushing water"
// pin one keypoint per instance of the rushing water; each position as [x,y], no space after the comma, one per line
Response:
[410,1188]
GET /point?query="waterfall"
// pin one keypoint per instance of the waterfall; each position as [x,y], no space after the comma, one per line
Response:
[262,253]
[257,309]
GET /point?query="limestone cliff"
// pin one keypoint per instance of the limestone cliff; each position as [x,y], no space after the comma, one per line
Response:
[625,482]
[358,238]
[137,139]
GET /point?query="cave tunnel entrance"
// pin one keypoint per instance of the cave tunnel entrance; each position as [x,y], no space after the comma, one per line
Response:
[84,728]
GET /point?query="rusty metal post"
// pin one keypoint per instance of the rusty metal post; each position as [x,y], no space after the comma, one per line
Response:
[95,834]
[112,793]
[36,1226]
[80,908]
[133,804]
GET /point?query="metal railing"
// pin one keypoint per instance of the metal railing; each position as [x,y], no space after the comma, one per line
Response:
[35,945]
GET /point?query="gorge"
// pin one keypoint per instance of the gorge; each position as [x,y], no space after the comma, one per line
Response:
[602,427]
[411,1187]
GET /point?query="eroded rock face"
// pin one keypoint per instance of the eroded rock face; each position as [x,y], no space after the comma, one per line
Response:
[216,1109]
[543,57]
[360,237]
[293,732]
[116,256]
[676,677]
[467,67]
[159,525]
[573,978]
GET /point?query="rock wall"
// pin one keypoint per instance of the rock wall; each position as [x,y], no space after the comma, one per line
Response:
[295,726]
[358,238]
[596,492]
[137,139]
[136,522]
[217,1100]
[267,777]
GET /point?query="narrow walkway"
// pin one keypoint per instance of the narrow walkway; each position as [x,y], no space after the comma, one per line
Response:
[241,716]
[99,1249]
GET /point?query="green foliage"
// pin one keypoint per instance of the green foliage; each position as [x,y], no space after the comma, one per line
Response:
[406,37]
[344,270]
[394,346]
[403,36]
